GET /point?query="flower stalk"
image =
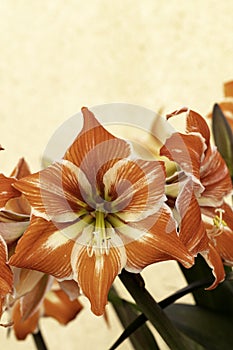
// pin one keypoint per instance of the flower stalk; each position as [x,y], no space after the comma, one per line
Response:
[39,341]
[154,313]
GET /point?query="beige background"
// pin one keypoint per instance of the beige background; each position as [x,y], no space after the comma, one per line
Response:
[56,56]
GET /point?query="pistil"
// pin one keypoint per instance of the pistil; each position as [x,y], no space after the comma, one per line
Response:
[99,242]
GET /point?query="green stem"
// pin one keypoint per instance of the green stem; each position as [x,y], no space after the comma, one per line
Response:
[141,319]
[39,341]
[154,313]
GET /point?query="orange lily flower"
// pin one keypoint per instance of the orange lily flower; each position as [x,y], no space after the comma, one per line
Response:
[98,210]
[208,170]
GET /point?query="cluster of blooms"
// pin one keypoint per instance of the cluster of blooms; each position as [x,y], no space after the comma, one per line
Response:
[72,227]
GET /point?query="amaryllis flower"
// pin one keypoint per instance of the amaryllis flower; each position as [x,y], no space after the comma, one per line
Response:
[201,166]
[198,159]
[98,210]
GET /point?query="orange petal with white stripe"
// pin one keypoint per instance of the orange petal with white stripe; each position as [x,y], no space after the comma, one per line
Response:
[92,135]
[55,193]
[46,248]
[193,236]
[96,274]
[159,242]
[135,188]
[180,149]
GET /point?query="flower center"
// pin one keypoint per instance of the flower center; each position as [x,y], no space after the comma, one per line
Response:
[99,242]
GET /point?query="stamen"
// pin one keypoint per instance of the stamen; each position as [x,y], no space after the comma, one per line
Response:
[218,220]
[218,224]
[99,241]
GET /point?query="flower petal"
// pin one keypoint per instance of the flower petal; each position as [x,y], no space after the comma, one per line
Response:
[6,277]
[7,191]
[11,231]
[180,148]
[95,150]
[216,179]
[71,288]
[54,191]
[24,327]
[224,246]
[25,280]
[195,123]
[37,251]
[58,305]
[135,188]
[213,259]
[32,301]
[21,169]
[193,236]
[96,274]
[18,205]
[158,242]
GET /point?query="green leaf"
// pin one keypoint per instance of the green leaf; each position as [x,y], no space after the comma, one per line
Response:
[212,330]
[175,339]
[127,312]
[219,299]
[223,136]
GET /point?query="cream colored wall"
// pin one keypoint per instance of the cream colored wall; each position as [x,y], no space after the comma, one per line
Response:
[56,56]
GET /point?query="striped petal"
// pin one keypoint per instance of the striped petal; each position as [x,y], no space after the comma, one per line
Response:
[216,180]
[180,148]
[92,135]
[224,246]
[158,242]
[96,274]
[46,248]
[6,277]
[95,150]
[55,193]
[192,235]
[135,188]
